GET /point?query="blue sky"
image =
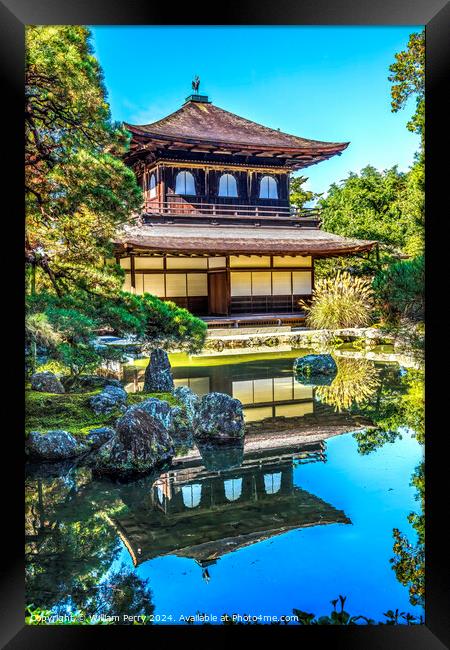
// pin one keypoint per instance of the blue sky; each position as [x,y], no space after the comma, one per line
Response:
[324,83]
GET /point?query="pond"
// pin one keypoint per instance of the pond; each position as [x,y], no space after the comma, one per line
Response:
[324,498]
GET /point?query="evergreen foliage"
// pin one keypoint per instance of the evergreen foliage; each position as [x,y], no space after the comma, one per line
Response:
[399,290]
[75,320]
[77,188]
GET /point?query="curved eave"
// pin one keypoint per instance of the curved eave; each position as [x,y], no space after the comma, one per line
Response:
[316,149]
[190,246]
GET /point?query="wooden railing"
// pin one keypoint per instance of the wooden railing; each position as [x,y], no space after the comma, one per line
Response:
[177,206]
[266,304]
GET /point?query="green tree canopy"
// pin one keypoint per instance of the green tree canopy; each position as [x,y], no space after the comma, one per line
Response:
[366,206]
[77,189]
[298,195]
[408,80]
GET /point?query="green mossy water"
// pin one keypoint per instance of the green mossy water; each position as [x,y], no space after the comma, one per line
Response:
[72,411]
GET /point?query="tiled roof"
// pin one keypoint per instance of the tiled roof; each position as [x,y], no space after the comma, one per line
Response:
[198,122]
[245,240]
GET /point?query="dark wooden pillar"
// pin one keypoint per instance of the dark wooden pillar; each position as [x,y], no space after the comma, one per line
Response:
[228,276]
[158,184]
[132,271]
[162,185]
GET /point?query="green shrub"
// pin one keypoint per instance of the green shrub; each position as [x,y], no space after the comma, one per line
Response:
[72,411]
[342,301]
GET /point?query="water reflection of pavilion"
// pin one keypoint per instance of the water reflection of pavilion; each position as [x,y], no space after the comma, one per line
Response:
[266,389]
[197,513]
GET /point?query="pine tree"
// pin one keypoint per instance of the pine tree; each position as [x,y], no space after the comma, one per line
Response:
[77,188]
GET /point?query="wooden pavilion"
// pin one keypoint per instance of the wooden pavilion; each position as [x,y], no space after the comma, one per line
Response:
[217,234]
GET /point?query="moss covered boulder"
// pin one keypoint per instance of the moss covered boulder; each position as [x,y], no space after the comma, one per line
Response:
[219,418]
[53,445]
[314,369]
[70,412]
[110,398]
[141,442]
[47,382]
[158,409]
[97,437]
[183,414]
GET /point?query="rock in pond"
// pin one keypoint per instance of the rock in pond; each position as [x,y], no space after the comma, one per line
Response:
[219,418]
[110,398]
[53,445]
[315,368]
[97,437]
[140,443]
[46,382]
[158,375]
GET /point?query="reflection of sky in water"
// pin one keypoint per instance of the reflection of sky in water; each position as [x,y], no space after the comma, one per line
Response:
[233,489]
[192,495]
[307,568]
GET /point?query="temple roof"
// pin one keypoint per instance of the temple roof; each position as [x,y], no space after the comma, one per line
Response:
[245,240]
[203,124]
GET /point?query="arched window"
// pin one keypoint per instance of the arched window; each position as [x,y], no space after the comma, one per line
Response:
[227,185]
[192,494]
[268,188]
[152,186]
[185,183]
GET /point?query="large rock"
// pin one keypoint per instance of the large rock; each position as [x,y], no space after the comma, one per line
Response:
[158,409]
[315,368]
[111,398]
[189,400]
[46,382]
[91,382]
[183,414]
[158,376]
[53,445]
[140,443]
[97,437]
[219,418]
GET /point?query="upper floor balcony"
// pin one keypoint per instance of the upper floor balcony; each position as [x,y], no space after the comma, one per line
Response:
[183,209]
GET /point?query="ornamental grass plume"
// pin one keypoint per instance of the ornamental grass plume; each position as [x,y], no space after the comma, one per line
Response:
[340,301]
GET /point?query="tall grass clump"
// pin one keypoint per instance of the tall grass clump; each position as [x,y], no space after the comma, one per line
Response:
[341,301]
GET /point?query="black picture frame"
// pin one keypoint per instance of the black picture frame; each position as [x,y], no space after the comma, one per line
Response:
[435,15]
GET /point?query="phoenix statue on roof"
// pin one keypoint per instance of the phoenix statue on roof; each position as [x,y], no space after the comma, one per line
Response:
[196,83]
